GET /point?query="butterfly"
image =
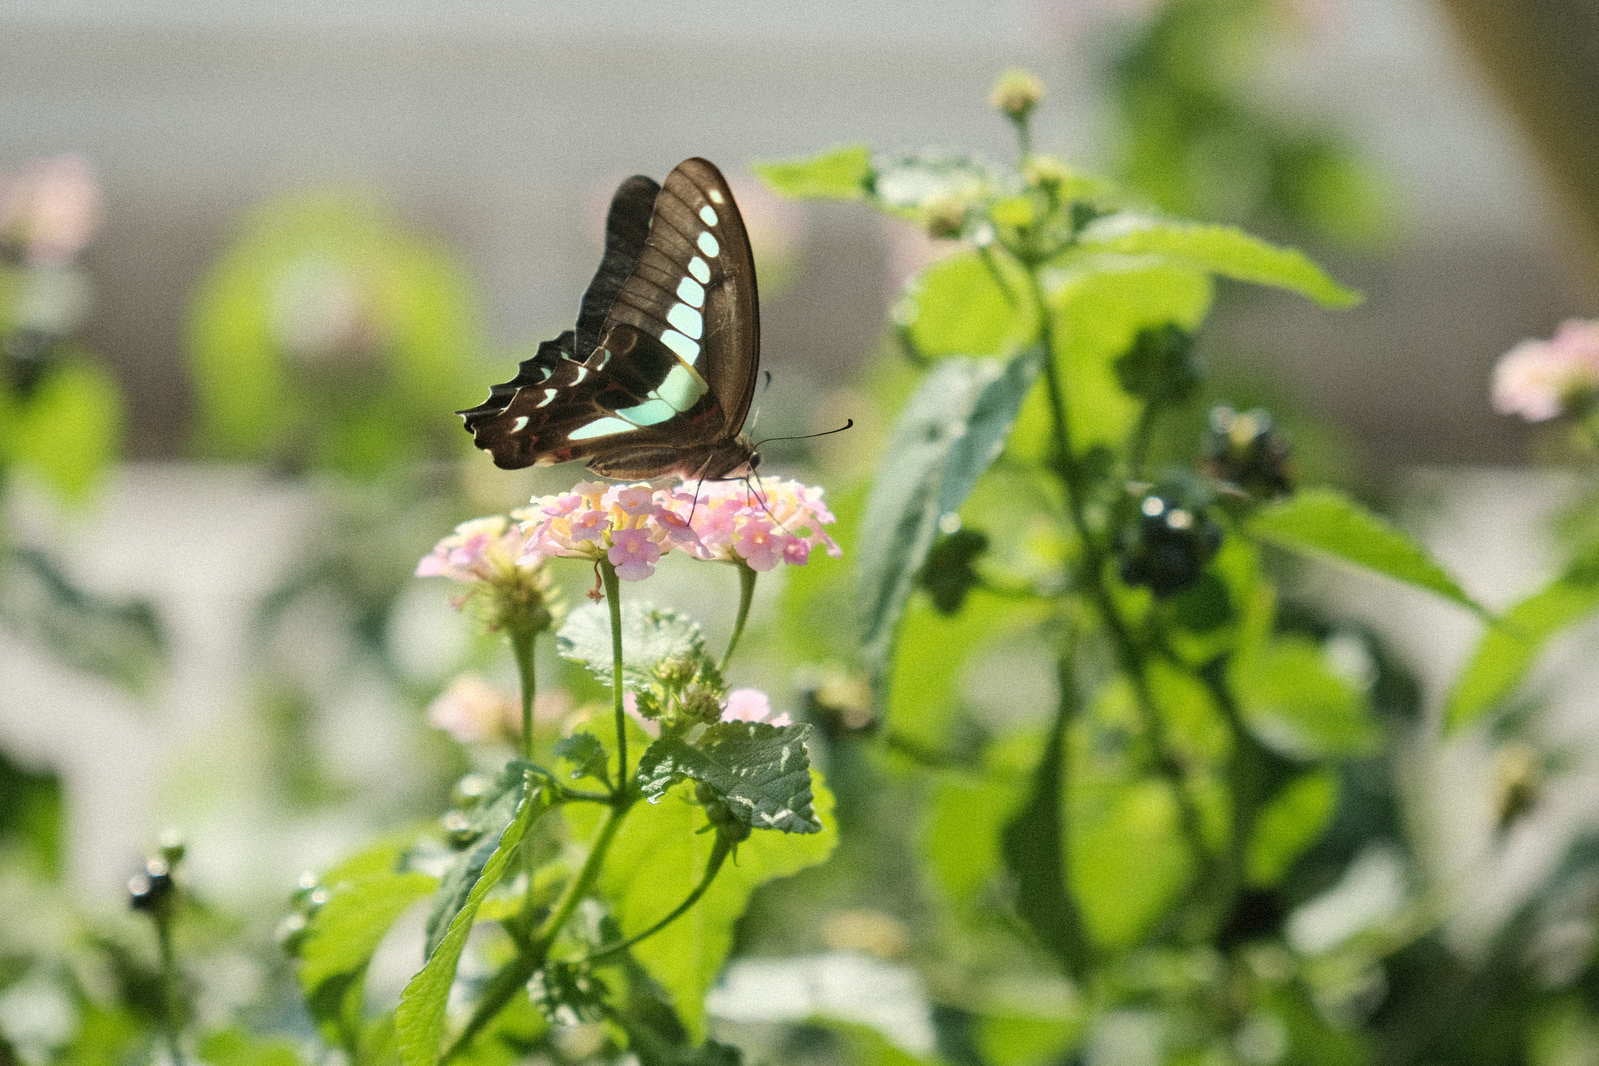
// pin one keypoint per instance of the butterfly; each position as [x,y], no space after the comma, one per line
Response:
[657,378]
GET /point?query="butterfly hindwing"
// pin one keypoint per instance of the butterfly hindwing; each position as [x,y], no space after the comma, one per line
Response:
[658,376]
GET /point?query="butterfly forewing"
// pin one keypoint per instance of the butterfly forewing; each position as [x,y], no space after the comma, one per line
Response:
[660,372]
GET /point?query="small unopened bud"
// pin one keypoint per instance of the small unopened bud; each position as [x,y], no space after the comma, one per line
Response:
[1519,779]
[945,217]
[1016,93]
[150,891]
[1046,172]
[172,847]
[458,829]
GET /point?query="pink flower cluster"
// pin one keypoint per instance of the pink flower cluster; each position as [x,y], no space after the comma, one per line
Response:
[1541,380]
[752,705]
[634,526]
[482,549]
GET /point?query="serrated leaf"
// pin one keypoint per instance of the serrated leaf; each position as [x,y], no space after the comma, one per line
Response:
[837,174]
[1509,648]
[967,304]
[657,858]
[487,822]
[762,772]
[952,430]
[1223,250]
[650,636]
[1328,523]
[585,753]
[419,1018]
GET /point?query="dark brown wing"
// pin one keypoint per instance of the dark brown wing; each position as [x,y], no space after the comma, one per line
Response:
[676,347]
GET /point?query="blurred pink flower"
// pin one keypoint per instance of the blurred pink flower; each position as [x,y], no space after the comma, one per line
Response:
[751,705]
[473,710]
[481,549]
[1540,380]
[51,208]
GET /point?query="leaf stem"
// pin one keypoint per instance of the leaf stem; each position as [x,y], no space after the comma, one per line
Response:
[746,596]
[613,598]
[522,638]
[1128,653]
[170,1025]
[713,866]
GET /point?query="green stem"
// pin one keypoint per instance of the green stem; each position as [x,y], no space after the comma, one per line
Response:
[510,979]
[746,596]
[1128,653]
[613,597]
[713,866]
[170,1027]
[522,650]
[522,638]
[1138,442]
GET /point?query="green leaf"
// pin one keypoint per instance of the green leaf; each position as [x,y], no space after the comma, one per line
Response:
[1035,854]
[419,1018]
[971,303]
[346,930]
[231,1047]
[1508,649]
[1326,522]
[837,174]
[1098,316]
[953,429]
[657,858]
[1223,250]
[650,636]
[1128,861]
[762,771]
[1294,702]
[585,753]
[486,822]
[1289,824]
[960,839]
[67,432]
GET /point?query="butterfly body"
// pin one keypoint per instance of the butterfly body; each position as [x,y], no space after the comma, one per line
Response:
[657,377]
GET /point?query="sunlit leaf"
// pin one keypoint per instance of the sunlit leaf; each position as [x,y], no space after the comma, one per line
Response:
[1326,522]
[1509,648]
[1288,824]
[650,636]
[1223,250]
[971,303]
[659,856]
[842,173]
[1296,704]
[66,433]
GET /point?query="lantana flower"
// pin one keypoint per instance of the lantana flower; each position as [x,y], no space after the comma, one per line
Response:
[633,526]
[487,554]
[474,710]
[1541,380]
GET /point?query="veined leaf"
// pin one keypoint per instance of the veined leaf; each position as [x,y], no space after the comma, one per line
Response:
[650,636]
[1508,649]
[1326,522]
[953,429]
[657,858]
[419,1019]
[1223,250]
[761,770]
[487,821]
[837,174]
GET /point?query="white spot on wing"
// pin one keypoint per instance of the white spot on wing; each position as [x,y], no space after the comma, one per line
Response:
[715,195]
[708,215]
[709,244]
[701,272]
[520,424]
[605,357]
[649,413]
[687,350]
[581,373]
[691,292]
[686,320]
[549,397]
[681,388]
[602,427]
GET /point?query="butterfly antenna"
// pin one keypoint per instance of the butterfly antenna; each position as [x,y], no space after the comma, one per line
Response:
[848,423]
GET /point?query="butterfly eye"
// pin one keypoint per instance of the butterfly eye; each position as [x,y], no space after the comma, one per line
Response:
[755,460]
